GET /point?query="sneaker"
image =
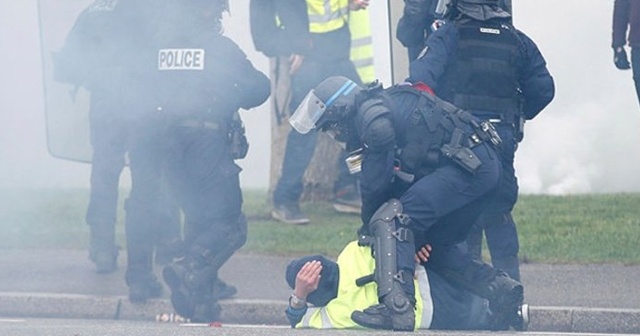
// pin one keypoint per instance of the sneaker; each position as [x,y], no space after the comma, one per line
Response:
[290,214]
[140,291]
[347,200]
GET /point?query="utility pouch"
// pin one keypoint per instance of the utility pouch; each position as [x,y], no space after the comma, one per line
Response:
[463,157]
[238,143]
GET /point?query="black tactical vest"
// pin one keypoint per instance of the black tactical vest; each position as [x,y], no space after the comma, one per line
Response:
[437,133]
[484,75]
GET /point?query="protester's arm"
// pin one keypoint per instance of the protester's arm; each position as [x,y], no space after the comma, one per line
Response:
[307,281]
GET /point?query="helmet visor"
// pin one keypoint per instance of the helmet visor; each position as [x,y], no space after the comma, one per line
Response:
[308,113]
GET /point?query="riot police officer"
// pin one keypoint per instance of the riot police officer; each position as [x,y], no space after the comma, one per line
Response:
[201,80]
[479,62]
[427,170]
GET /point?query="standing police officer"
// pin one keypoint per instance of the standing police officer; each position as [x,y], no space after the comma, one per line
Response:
[479,62]
[428,169]
[202,79]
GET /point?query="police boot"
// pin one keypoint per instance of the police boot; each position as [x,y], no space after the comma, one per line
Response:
[102,248]
[505,297]
[396,310]
[189,280]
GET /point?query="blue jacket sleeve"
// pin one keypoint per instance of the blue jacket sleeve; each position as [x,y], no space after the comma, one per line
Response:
[295,315]
[536,83]
[432,63]
[621,13]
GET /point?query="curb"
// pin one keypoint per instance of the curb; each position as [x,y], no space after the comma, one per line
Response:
[268,312]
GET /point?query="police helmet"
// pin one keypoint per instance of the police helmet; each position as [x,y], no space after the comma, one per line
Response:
[328,104]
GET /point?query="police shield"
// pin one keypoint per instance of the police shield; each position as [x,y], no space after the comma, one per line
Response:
[66,104]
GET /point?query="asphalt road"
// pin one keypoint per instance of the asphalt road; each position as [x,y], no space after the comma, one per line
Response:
[59,327]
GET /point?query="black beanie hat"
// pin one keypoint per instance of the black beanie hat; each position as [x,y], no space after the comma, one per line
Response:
[329,278]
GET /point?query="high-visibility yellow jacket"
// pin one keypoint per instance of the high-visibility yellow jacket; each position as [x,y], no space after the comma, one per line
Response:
[327,15]
[362,45]
[355,262]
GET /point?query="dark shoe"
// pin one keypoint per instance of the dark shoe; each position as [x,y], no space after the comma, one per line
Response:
[140,291]
[106,261]
[290,214]
[174,275]
[381,317]
[506,303]
[347,200]
[222,290]
[521,321]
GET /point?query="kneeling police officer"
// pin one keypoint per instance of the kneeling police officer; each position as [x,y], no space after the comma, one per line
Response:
[427,170]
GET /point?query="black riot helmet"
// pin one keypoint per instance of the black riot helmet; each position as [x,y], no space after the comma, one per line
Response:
[481,10]
[326,107]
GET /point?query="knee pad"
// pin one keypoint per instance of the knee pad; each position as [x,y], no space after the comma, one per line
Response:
[387,227]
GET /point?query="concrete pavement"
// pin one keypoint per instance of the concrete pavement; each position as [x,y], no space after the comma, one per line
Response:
[63,284]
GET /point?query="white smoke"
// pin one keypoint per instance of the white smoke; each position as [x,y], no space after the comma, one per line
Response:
[585,141]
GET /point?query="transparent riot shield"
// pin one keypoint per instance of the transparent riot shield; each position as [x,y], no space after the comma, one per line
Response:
[66,106]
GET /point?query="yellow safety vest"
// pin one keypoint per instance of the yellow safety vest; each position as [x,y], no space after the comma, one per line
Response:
[362,45]
[355,262]
[327,15]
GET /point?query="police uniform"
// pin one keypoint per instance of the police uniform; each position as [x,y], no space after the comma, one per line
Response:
[203,79]
[427,171]
[196,80]
[496,72]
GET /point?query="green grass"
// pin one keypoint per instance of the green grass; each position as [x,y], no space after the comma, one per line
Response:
[598,228]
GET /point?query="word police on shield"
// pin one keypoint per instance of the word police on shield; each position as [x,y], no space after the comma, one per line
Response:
[181,59]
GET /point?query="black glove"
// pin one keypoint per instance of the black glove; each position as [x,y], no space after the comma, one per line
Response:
[620,58]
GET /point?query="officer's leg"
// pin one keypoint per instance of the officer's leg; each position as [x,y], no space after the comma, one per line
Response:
[108,140]
[393,246]
[499,228]
[502,239]
[474,239]
[168,233]
[504,294]
[211,203]
[143,210]
[443,206]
